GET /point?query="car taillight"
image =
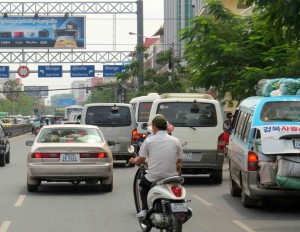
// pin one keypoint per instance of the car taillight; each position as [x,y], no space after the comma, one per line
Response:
[252,161]
[134,135]
[176,190]
[39,155]
[221,143]
[99,155]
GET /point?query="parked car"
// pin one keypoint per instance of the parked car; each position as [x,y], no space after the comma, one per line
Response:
[69,153]
[4,147]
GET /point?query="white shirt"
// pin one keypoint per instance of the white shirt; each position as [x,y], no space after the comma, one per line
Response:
[162,151]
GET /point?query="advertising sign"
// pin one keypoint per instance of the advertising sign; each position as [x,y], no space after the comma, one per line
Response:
[4,71]
[111,70]
[50,71]
[82,70]
[36,91]
[42,32]
[63,102]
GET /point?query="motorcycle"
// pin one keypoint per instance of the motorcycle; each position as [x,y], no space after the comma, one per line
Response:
[168,209]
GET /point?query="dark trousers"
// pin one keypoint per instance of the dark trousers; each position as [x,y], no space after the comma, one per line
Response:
[145,186]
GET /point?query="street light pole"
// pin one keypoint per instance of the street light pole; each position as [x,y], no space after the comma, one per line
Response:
[140,41]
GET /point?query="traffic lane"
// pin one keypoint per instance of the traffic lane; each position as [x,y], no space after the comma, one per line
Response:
[219,205]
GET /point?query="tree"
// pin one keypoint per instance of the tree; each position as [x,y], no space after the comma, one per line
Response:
[233,53]
[12,89]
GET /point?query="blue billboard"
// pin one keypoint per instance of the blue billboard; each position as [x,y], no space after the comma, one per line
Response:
[42,32]
[111,70]
[63,102]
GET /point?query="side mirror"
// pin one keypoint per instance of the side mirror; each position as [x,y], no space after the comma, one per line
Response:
[29,143]
[130,149]
[227,126]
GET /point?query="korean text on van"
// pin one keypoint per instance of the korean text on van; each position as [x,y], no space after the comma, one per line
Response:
[117,123]
[264,148]
[198,122]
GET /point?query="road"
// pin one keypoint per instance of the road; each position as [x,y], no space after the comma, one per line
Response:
[66,208]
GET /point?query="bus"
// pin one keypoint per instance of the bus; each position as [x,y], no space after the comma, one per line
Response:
[72,109]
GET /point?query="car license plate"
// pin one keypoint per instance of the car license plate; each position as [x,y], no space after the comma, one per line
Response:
[179,207]
[297,143]
[188,155]
[73,158]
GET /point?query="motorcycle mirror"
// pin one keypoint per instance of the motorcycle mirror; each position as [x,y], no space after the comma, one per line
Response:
[130,149]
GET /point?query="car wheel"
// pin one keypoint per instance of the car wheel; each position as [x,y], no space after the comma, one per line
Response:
[235,190]
[2,160]
[107,187]
[7,157]
[217,176]
[247,201]
[32,185]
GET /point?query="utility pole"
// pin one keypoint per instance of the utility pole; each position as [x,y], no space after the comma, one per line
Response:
[173,61]
[140,44]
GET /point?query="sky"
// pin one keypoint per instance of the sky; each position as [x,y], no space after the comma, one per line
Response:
[99,37]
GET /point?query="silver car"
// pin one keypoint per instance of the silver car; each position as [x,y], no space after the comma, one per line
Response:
[69,153]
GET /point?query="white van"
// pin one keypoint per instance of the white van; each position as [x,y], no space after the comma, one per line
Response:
[142,106]
[264,148]
[198,121]
[117,123]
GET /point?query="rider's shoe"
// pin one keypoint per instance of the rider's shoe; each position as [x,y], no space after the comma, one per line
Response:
[142,214]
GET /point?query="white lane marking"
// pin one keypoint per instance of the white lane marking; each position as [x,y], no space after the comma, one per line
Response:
[4,226]
[243,226]
[202,200]
[20,201]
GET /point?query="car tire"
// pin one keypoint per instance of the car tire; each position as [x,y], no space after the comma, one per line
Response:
[217,176]
[235,190]
[7,157]
[2,160]
[247,201]
[32,185]
[107,187]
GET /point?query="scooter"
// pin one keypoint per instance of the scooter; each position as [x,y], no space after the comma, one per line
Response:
[168,209]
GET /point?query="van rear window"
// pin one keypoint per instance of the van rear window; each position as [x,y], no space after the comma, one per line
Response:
[281,111]
[107,116]
[189,114]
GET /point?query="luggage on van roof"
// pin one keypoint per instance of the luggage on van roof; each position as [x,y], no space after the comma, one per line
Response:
[186,95]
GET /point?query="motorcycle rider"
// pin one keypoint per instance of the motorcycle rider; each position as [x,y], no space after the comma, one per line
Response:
[164,153]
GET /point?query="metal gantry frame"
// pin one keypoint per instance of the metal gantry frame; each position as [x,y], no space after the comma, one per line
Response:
[73,8]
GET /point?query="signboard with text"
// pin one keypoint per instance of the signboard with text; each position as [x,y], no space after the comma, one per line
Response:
[36,91]
[111,70]
[50,71]
[42,32]
[82,70]
[4,71]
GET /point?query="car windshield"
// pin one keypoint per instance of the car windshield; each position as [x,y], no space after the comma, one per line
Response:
[281,111]
[189,114]
[70,135]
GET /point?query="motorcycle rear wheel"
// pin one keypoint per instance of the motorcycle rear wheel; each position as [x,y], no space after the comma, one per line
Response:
[136,189]
[177,225]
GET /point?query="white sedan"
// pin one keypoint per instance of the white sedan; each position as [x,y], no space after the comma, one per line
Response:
[69,153]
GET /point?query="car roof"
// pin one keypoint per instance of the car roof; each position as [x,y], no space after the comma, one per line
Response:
[71,126]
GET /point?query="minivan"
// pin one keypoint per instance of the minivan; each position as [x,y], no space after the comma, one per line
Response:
[198,124]
[117,123]
[263,149]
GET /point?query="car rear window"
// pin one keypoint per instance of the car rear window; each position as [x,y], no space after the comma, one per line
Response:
[108,116]
[281,111]
[189,114]
[70,135]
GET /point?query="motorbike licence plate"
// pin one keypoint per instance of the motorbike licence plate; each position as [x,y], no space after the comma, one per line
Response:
[179,207]
[73,158]
[297,143]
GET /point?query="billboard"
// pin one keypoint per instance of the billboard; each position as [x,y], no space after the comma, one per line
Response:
[36,91]
[42,32]
[63,102]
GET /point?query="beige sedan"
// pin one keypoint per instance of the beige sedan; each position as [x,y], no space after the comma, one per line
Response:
[69,153]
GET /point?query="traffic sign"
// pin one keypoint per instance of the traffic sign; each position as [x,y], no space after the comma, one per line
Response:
[111,70]
[82,70]
[4,71]
[23,71]
[50,71]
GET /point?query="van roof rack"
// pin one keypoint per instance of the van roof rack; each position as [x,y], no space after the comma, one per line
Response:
[186,95]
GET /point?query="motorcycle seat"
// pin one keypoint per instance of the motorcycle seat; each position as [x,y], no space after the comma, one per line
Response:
[169,180]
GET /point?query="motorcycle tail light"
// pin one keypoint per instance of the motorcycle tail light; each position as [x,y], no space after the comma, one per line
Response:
[176,191]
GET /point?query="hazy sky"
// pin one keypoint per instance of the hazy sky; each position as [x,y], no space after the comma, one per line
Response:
[99,37]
